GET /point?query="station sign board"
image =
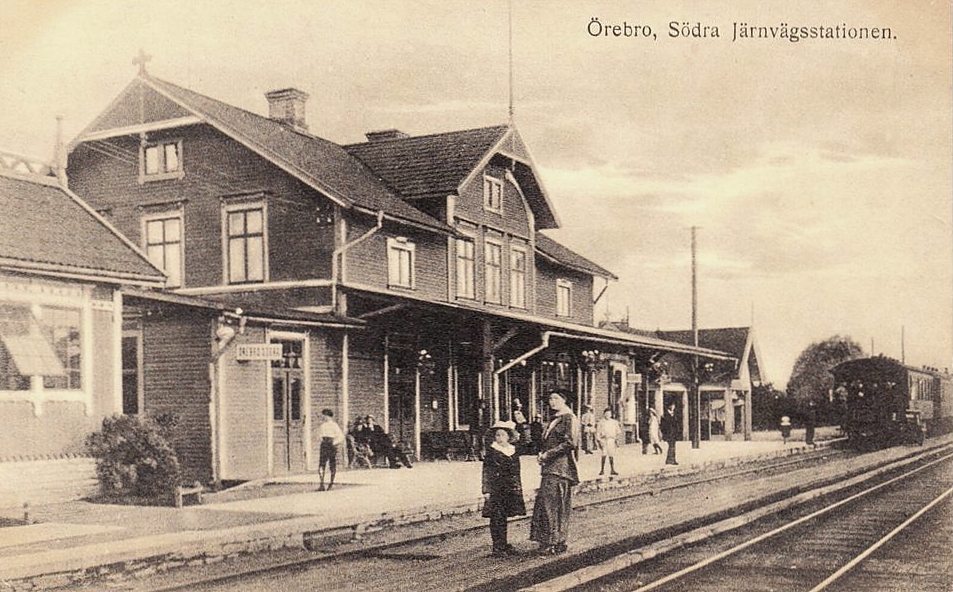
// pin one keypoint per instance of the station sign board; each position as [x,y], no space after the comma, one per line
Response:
[250,352]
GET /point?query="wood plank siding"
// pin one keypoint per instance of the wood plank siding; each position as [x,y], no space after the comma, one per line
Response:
[176,353]
[106,174]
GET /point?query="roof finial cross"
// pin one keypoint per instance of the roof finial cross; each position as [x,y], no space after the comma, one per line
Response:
[141,60]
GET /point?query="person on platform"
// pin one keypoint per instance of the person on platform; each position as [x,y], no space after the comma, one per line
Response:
[655,432]
[502,485]
[670,427]
[375,436]
[785,428]
[588,421]
[608,432]
[522,427]
[557,460]
[536,433]
[331,439]
[810,420]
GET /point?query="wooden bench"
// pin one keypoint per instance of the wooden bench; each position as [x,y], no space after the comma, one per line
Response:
[183,492]
[446,446]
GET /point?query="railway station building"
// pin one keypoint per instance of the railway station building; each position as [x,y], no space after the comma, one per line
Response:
[724,386]
[60,331]
[404,277]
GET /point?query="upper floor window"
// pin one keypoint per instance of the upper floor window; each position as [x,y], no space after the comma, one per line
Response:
[493,194]
[518,277]
[400,263]
[40,347]
[493,268]
[163,244]
[465,268]
[160,160]
[563,298]
[246,248]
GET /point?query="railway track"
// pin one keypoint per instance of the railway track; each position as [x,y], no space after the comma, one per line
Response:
[392,549]
[454,558]
[820,550]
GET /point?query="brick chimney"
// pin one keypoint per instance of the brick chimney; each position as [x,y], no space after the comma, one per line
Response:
[387,134]
[287,106]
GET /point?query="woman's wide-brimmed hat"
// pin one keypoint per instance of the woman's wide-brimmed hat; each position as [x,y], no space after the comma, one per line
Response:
[509,426]
[785,420]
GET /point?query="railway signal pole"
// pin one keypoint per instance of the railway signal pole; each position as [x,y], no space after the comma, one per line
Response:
[694,405]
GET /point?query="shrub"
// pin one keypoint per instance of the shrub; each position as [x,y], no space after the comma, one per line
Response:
[134,456]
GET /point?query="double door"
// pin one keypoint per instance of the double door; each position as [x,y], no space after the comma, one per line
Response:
[288,410]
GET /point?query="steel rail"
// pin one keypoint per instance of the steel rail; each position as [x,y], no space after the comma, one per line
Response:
[731,551]
[869,550]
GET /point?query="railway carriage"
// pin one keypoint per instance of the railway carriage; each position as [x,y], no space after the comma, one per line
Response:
[887,403]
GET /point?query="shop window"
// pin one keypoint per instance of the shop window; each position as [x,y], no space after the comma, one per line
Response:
[41,348]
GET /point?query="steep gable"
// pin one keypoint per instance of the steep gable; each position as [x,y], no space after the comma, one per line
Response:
[438,165]
[321,164]
[421,167]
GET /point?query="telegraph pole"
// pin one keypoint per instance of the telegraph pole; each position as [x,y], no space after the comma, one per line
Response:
[695,406]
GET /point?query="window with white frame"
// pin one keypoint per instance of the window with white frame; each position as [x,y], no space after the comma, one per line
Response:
[465,267]
[246,250]
[400,263]
[518,276]
[492,194]
[563,298]
[493,271]
[41,347]
[162,234]
[160,160]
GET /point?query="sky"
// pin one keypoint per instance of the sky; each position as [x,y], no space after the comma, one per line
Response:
[818,172]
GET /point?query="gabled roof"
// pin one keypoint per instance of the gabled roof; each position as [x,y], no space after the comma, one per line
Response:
[428,166]
[321,164]
[732,340]
[438,165]
[565,256]
[47,229]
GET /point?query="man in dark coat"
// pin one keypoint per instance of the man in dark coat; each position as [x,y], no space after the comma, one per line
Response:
[557,461]
[810,420]
[670,429]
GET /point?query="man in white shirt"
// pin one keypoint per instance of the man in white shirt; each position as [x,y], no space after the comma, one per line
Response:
[331,438]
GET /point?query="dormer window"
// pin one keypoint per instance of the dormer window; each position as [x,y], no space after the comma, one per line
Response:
[492,194]
[160,160]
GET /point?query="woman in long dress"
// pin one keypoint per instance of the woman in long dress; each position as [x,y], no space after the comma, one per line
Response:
[502,485]
[557,461]
[655,434]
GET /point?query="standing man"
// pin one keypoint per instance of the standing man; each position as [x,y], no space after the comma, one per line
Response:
[588,420]
[810,420]
[557,462]
[670,428]
[331,438]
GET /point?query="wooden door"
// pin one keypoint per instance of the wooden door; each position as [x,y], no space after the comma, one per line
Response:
[288,415]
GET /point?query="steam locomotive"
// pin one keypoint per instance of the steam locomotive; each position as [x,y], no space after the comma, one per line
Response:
[886,403]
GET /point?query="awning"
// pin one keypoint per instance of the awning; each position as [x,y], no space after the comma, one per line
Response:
[33,354]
